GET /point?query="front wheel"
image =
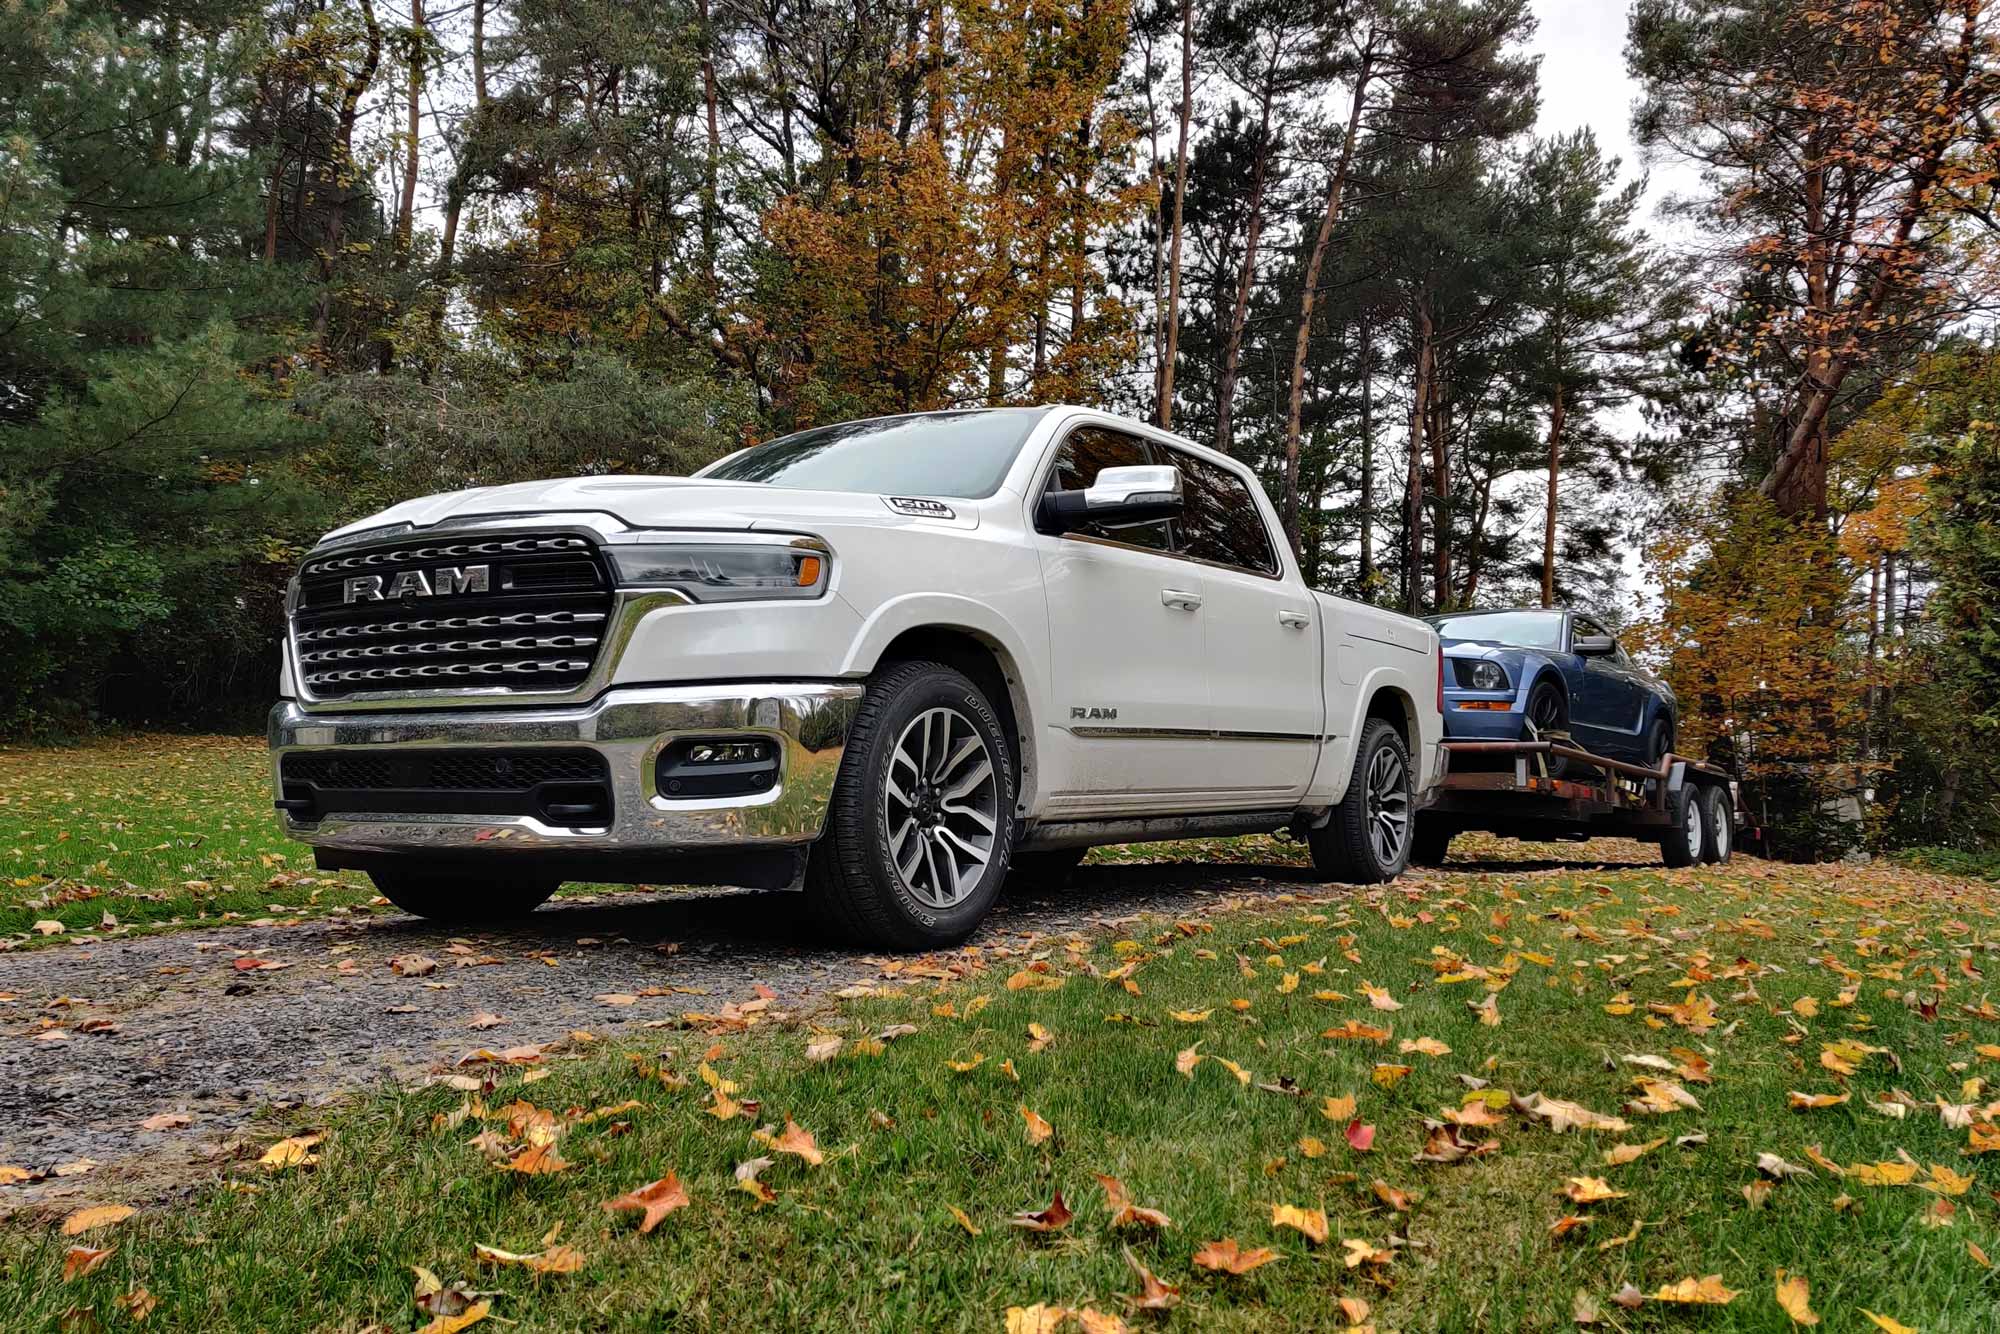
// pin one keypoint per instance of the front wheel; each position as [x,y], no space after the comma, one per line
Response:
[1548,711]
[920,830]
[462,896]
[1367,839]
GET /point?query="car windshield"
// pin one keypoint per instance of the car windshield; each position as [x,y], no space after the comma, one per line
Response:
[964,455]
[1524,629]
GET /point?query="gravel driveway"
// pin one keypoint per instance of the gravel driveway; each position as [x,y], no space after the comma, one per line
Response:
[220,1024]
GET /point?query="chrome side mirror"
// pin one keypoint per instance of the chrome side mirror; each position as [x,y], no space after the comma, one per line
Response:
[1119,498]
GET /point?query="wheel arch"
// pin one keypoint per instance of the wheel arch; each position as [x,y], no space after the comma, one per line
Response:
[1393,705]
[993,667]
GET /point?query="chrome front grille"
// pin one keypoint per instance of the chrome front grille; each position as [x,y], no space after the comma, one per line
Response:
[521,610]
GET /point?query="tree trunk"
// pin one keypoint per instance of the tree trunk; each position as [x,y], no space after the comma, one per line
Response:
[1420,392]
[1435,428]
[1246,277]
[406,210]
[343,153]
[1165,410]
[1330,215]
[712,164]
[1475,554]
[1367,507]
[1549,518]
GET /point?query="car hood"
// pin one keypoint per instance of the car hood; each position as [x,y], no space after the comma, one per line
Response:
[662,502]
[1483,648]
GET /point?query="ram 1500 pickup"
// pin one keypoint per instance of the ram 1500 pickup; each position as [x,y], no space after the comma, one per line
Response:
[888,663]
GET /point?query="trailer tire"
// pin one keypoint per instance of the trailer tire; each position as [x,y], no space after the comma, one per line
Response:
[1355,846]
[1431,844]
[1683,843]
[1718,824]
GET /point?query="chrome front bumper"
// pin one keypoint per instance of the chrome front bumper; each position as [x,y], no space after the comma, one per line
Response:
[629,728]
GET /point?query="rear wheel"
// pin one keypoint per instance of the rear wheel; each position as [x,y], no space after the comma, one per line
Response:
[1548,711]
[458,895]
[1049,868]
[1718,824]
[920,830]
[1682,844]
[1367,839]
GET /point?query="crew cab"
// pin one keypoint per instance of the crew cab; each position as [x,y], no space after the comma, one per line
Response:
[888,663]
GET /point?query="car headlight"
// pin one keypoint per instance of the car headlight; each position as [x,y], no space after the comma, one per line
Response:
[723,572]
[1488,676]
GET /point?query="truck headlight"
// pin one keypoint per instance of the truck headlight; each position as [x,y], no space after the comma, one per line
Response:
[722,572]
[1488,676]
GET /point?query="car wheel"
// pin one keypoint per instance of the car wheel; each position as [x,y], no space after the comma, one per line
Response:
[1548,711]
[459,895]
[1659,742]
[1718,824]
[1049,868]
[1367,839]
[1682,845]
[1431,844]
[920,830]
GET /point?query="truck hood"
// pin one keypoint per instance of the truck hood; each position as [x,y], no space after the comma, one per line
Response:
[664,502]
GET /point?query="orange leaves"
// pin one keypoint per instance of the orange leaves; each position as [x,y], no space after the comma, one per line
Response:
[1379,997]
[652,1202]
[554,1260]
[1812,1102]
[1423,1047]
[1227,1257]
[1123,1212]
[1311,1223]
[799,1143]
[1338,1107]
[295,1151]
[1695,1012]
[1620,1154]
[1356,1031]
[535,1160]
[1052,1219]
[1589,1190]
[81,1260]
[103,1215]
[1039,1131]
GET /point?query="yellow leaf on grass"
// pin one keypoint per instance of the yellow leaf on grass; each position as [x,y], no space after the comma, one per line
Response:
[1885,1322]
[1124,1213]
[1388,1076]
[1039,1130]
[965,1221]
[1187,1059]
[1242,1075]
[1706,1291]
[1310,1222]
[1192,1016]
[1379,997]
[554,1260]
[102,1216]
[966,1067]
[1423,1046]
[1812,1102]
[1589,1190]
[1356,1031]
[1944,1181]
[1883,1174]
[1338,1108]
[1792,1296]
[1620,1154]
[293,1152]
[1036,1319]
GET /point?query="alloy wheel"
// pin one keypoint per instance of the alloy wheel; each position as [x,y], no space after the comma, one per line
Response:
[940,807]
[1388,805]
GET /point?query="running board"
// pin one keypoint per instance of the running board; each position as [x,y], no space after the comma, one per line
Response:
[1151,829]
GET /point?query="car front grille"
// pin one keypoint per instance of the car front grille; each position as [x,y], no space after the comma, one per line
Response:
[439,614]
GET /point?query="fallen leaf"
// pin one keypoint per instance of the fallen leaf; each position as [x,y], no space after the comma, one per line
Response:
[1562,1116]
[137,1303]
[1311,1222]
[654,1202]
[799,1143]
[1423,1046]
[1793,1298]
[823,1048]
[1893,1326]
[1361,1252]
[1339,1108]
[536,1160]
[1036,1319]
[1052,1219]
[408,965]
[451,1324]
[964,1220]
[1705,1291]
[747,1182]
[293,1152]
[166,1121]
[1124,1213]
[81,1260]
[1039,1130]
[1226,1256]
[103,1215]
[1360,1138]
[1153,1295]
[1620,1154]
[554,1260]
[1589,1190]
[1812,1102]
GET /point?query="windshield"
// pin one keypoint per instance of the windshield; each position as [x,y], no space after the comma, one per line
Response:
[964,455]
[1525,629]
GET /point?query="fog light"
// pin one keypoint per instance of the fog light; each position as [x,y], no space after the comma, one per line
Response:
[705,767]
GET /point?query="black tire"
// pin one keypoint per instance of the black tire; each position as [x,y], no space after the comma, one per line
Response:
[1718,824]
[1049,868]
[459,895]
[1345,847]
[1683,845]
[1659,741]
[853,882]
[1548,711]
[1432,842]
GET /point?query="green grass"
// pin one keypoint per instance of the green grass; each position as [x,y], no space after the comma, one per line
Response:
[868,1240]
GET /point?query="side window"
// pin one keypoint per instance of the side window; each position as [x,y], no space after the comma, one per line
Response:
[1221,523]
[1087,452]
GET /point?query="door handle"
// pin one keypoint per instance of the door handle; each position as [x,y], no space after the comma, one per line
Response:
[1294,620]
[1180,598]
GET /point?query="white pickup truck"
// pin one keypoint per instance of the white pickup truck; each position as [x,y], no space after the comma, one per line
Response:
[889,663]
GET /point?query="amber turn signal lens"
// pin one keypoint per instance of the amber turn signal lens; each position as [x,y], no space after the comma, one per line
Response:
[1492,705]
[808,571]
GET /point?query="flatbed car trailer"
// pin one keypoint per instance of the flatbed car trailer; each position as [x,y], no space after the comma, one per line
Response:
[1692,810]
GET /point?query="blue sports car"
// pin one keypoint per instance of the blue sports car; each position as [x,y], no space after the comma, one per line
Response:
[1523,671]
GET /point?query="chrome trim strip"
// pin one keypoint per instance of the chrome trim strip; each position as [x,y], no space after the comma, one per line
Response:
[809,720]
[1194,734]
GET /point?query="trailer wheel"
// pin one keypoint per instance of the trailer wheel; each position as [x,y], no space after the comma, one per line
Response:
[1367,839]
[1432,842]
[1718,824]
[1682,845]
